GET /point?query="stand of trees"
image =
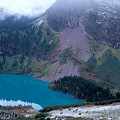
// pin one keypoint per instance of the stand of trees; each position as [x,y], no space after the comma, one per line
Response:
[27,39]
[83,89]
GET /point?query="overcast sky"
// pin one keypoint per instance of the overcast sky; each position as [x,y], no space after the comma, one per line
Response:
[28,8]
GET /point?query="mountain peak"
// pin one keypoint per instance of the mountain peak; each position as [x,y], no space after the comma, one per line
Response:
[67,13]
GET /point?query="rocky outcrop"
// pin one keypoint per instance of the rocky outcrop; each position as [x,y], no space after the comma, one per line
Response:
[58,71]
[68,69]
[100,19]
[67,13]
[76,38]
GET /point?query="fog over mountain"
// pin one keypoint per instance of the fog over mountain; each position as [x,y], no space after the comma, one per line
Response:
[29,8]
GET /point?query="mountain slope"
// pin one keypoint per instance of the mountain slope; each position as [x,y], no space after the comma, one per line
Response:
[87,30]
[75,37]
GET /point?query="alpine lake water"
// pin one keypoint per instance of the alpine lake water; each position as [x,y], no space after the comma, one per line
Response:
[26,90]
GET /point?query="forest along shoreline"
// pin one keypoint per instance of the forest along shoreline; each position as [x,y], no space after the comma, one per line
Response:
[83,89]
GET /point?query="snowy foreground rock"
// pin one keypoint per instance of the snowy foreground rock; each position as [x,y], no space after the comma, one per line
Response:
[107,112]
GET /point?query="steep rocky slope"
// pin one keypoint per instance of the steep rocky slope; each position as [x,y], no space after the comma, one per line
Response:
[87,30]
[73,37]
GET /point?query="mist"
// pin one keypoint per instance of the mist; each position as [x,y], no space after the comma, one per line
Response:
[27,8]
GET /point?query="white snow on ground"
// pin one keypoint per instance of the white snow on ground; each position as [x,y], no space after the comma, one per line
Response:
[95,112]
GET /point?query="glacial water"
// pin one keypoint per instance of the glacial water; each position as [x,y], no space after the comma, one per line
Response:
[26,90]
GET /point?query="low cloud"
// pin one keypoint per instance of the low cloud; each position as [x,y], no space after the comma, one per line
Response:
[29,8]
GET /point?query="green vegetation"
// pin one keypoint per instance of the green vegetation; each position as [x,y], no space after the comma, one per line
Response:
[91,64]
[106,67]
[112,29]
[50,108]
[22,65]
[27,50]
[27,39]
[68,55]
[60,107]
[45,72]
[42,116]
[83,89]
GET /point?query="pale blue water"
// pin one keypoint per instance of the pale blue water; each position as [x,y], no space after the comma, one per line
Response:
[31,90]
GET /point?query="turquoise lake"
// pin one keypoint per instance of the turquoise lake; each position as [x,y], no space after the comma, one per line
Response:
[21,89]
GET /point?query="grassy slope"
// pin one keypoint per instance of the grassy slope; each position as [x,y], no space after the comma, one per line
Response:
[22,65]
[105,65]
[37,48]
